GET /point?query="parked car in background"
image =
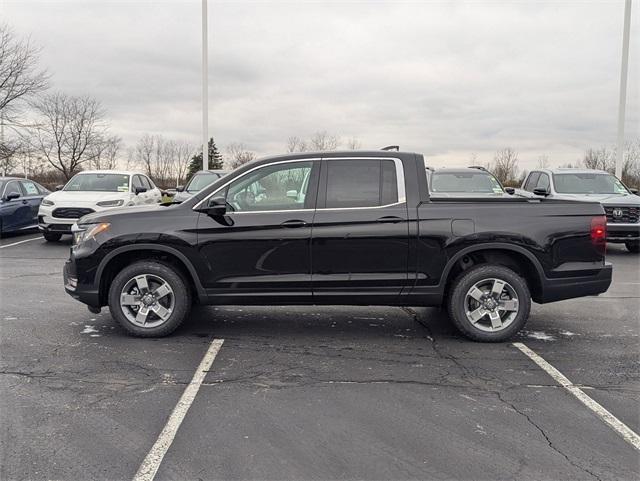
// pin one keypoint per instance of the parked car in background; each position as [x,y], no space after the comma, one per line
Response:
[349,228]
[621,204]
[465,182]
[200,180]
[19,203]
[93,191]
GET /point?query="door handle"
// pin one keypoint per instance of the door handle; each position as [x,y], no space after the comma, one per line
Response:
[293,223]
[390,219]
[25,201]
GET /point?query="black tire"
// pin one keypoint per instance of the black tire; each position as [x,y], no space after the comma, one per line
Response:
[633,246]
[457,302]
[181,296]
[51,236]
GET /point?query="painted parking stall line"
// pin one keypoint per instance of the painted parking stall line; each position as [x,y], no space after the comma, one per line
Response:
[152,461]
[622,429]
[21,242]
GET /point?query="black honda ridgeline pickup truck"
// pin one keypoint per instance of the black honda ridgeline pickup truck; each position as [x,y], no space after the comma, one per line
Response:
[338,228]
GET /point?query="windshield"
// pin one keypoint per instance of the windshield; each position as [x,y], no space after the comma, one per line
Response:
[575,183]
[465,182]
[98,183]
[200,181]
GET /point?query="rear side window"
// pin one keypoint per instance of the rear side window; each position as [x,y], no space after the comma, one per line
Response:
[146,182]
[361,183]
[532,180]
[30,188]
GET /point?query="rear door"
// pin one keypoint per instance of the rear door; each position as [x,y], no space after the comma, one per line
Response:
[360,232]
[33,196]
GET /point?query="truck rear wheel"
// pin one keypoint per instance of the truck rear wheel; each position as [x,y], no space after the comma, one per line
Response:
[489,303]
[149,299]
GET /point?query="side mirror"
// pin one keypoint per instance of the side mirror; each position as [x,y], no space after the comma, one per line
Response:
[180,188]
[216,206]
[12,196]
[59,187]
[139,190]
[292,194]
[510,190]
[541,191]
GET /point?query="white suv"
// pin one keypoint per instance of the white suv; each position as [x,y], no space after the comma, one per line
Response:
[93,191]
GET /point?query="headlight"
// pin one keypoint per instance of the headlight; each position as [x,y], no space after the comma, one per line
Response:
[85,232]
[110,203]
[46,202]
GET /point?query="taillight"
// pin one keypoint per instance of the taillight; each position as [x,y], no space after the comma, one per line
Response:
[599,233]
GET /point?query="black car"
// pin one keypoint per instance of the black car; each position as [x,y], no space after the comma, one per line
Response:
[19,204]
[353,228]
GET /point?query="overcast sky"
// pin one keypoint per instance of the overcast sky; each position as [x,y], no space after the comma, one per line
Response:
[447,79]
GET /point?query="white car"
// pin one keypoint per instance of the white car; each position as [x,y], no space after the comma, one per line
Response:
[93,191]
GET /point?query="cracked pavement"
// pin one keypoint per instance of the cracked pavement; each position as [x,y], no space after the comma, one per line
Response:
[312,393]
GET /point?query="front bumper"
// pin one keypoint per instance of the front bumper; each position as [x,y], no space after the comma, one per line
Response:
[623,232]
[87,294]
[592,284]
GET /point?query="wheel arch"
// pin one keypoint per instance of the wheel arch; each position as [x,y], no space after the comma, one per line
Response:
[118,258]
[512,256]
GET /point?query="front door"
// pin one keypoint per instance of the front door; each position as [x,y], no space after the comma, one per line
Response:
[360,232]
[260,251]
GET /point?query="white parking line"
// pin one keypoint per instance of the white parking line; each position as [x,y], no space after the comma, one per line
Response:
[152,461]
[622,429]
[21,242]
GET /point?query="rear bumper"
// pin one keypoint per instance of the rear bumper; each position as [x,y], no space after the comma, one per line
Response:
[623,232]
[558,289]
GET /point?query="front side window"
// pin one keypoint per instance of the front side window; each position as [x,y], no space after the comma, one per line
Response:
[273,187]
[588,183]
[12,188]
[543,182]
[98,183]
[136,183]
[361,183]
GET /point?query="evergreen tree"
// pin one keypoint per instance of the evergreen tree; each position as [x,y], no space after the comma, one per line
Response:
[215,160]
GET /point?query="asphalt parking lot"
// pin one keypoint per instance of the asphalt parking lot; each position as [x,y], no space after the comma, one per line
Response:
[312,393]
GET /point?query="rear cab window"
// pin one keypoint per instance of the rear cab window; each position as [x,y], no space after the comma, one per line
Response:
[360,183]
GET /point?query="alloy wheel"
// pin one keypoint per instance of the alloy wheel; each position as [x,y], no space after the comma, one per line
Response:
[491,305]
[147,300]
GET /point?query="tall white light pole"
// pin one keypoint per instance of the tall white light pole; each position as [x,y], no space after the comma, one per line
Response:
[205,89]
[623,87]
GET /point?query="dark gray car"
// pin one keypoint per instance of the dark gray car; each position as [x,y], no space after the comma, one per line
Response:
[620,203]
[200,180]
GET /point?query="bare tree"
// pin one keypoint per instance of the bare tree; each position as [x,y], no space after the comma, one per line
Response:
[238,155]
[20,77]
[354,143]
[105,153]
[505,165]
[323,141]
[144,153]
[543,161]
[296,144]
[599,159]
[67,131]
[183,153]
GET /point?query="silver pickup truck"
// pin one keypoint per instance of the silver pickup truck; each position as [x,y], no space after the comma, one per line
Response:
[621,204]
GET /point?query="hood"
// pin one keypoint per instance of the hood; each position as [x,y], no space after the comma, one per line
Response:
[606,199]
[109,214]
[76,199]
[181,196]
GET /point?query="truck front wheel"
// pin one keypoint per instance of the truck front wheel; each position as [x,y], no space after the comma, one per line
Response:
[633,246]
[149,298]
[489,303]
